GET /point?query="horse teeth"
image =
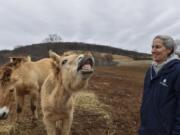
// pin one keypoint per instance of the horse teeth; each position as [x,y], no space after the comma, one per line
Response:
[87,66]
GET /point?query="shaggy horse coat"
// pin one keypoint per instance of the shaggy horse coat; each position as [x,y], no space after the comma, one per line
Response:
[69,75]
[20,78]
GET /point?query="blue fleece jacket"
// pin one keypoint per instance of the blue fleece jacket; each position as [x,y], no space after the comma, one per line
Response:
[160,109]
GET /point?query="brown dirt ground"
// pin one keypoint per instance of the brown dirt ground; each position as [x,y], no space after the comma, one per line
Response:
[110,106]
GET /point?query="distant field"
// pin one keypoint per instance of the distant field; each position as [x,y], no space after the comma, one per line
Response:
[120,59]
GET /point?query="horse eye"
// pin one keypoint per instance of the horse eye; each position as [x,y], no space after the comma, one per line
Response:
[64,62]
[11,90]
[80,58]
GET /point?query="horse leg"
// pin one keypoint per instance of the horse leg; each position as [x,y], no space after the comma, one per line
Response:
[66,124]
[58,127]
[34,104]
[50,126]
[19,106]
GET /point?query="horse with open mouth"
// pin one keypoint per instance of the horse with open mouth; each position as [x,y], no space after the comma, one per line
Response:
[69,76]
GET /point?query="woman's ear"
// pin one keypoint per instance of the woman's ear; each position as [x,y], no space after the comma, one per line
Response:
[169,51]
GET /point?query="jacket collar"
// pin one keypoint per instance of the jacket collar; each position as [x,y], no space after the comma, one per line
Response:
[157,67]
[168,67]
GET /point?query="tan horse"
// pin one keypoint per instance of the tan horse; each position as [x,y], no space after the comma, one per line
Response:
[70,75]
[22,78]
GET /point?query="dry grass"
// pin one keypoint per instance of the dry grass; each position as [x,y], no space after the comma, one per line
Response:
[6,128]
[120,58]
[109,107]
[88,101]
[97,117]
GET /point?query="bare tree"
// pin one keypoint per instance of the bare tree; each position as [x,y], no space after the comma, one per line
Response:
[52,38]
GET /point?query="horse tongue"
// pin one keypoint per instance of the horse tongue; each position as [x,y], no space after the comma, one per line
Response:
[86,66]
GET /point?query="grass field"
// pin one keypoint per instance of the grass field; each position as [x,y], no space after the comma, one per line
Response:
[109,106]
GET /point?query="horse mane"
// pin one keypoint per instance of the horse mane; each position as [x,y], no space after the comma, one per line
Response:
[7,69]
[15,61]
[5,75]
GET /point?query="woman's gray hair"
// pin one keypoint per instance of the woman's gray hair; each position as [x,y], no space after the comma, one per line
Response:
[168,42]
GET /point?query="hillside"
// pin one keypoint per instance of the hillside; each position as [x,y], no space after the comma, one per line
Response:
[38,51]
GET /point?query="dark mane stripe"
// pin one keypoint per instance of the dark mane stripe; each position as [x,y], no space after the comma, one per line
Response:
[5,75]
[7,69]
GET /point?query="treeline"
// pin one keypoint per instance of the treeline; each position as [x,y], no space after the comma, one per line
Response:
[38,51]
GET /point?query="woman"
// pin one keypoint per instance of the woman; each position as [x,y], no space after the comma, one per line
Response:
[160,109]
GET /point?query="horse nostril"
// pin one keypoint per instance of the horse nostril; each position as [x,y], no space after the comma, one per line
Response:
[4,112]
[4,115]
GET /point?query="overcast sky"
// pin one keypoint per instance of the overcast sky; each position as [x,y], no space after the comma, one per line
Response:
[127,24]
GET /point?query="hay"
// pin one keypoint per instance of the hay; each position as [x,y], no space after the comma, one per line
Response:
[89,102]
[6,129]
[96,115]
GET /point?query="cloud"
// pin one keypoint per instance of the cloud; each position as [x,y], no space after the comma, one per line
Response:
[129,24]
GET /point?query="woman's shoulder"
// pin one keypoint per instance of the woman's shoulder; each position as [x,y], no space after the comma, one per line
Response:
[177,64]
[177,61]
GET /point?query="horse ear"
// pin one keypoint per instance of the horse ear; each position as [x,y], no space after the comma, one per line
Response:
[54,56]
[56,61]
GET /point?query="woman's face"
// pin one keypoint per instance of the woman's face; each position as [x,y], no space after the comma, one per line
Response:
[159,51]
